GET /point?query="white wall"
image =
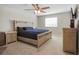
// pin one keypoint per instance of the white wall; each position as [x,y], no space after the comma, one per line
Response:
[63,22]
[8,13]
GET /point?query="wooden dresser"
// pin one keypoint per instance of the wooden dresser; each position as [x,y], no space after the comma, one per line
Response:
[69,40]
[2,38]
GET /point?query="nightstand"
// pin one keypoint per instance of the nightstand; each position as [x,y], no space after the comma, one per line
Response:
[11,36]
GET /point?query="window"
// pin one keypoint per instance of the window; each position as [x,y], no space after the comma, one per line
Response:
[51,22]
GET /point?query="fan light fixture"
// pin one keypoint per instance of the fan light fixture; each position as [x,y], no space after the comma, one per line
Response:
[37,11]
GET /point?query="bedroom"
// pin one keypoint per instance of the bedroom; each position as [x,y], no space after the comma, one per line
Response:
[23,15]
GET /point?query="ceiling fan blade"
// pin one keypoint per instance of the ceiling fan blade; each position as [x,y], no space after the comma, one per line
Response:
[34,6]
[29,9]
[45,8]
[37,6]
[42,11]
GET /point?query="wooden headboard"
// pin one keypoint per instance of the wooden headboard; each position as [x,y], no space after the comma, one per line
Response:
[15,24]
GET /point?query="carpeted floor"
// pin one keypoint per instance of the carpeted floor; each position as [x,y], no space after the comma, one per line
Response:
[53,46]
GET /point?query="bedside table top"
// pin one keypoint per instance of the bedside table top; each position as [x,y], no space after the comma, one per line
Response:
[11,32]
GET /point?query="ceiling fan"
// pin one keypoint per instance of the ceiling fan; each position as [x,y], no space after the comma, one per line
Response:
[37,9]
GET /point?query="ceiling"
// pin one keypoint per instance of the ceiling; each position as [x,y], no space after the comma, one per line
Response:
[54,8]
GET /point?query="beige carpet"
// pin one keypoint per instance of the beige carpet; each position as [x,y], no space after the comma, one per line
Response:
[51,47]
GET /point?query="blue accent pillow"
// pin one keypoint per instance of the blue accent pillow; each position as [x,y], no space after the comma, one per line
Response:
[20,29]
[27,28]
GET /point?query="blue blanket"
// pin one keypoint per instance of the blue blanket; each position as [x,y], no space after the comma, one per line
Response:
[31,33]
[36,31]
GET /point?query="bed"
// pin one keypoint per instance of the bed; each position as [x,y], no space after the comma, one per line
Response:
[33,36]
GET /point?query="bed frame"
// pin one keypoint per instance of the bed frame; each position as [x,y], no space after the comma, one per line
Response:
[41,39]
